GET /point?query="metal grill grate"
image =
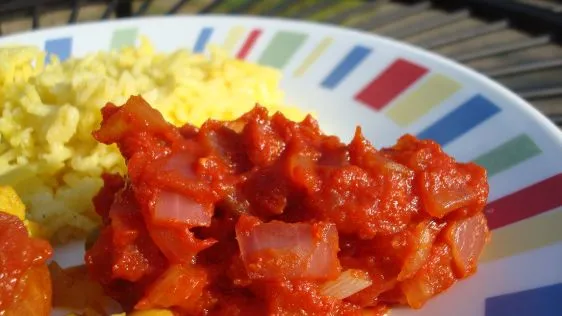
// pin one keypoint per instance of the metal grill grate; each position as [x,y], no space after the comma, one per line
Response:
[518,43]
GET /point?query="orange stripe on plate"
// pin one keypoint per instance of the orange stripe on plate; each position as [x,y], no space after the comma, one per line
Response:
[535,232]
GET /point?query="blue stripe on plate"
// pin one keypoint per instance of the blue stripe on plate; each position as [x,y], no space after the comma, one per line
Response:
[62,47]
[202,39]
[460,120]
[346,66]
[544,301]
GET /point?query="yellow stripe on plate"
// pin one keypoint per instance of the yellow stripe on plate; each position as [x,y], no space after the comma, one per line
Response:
[416,103]
[535,232]
[233,37]
[313,56]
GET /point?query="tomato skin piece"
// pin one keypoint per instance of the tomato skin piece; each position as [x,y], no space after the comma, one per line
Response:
[104,198]
[270,146]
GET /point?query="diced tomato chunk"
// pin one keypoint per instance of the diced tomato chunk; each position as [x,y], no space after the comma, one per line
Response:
[179,286]
[22,260]
[177,243]
[104,199]
[265,146]
[122,122]
[361,204]
[444,190]
[444,184]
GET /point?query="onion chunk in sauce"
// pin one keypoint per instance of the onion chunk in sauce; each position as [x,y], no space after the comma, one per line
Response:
[277,250]
[467,238]
[175,207]
[348,283]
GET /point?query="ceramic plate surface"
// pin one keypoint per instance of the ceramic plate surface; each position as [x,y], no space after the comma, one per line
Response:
[350,78]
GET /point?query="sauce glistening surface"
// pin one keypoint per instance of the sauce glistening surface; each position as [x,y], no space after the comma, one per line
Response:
[265,216]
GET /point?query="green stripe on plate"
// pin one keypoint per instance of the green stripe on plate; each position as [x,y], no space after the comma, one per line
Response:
[123,37]
[281,48]
[508,154]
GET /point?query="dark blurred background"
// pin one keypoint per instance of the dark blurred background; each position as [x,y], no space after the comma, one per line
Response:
[516,42]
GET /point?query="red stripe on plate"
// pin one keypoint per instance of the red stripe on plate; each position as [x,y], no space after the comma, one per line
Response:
[528,202]
[248,44]
[390,83]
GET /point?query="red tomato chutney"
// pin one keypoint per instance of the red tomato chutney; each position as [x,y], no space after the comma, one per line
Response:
[265,216]
[25,284]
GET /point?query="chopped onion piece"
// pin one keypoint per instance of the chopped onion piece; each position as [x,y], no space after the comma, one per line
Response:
[348,283]
[175,207]
[181,164]
[467,238]
[277,250]
[425,234]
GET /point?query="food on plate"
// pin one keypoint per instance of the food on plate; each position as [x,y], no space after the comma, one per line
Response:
[25,284]
[152,312]
[264,215]
[74,290]
[49,111]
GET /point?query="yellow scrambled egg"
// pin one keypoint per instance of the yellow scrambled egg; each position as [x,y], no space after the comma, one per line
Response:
[11,203]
